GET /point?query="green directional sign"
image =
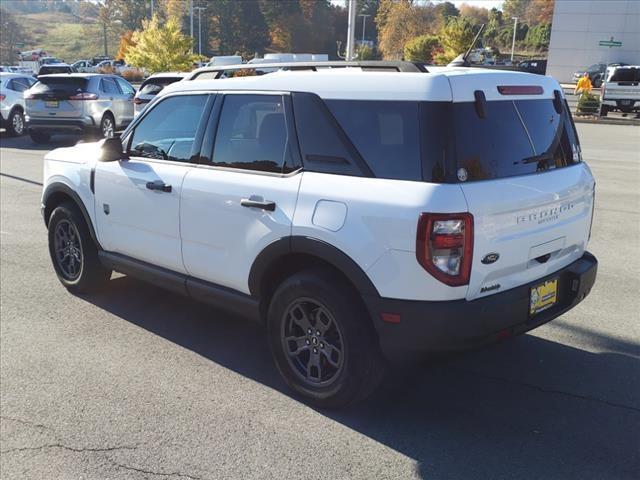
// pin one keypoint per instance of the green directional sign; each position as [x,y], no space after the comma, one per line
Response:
[610,43]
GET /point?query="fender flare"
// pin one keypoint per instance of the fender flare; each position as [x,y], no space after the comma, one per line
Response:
[312,247]
[59,187]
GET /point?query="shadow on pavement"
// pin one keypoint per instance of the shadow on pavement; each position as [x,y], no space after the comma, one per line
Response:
[527,408]
[24,142]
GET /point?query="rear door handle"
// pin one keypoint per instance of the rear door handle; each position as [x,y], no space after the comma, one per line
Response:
[159,185]
[258,202]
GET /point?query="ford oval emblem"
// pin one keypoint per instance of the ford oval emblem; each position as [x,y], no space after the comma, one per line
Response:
[490,258]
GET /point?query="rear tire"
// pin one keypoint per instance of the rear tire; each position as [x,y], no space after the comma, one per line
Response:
[73,253]
[107,126]
[604,110]
[322,342]
[15,126]
[39,137]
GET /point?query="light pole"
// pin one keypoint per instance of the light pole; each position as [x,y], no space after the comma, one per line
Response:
[353,6]
[364,23]
[513,43]
[191,22]
[200,9]
[151,8]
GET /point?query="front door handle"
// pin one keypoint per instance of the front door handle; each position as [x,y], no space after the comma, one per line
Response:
[258,202]
[159,185]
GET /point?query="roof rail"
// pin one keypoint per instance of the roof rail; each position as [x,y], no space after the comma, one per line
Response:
[367,65]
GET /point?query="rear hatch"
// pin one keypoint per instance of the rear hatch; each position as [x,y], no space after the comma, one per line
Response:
[623,84]
[518,163]
[149,89]
[57,97]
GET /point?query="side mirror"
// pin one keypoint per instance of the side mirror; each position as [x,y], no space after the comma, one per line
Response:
[112,150]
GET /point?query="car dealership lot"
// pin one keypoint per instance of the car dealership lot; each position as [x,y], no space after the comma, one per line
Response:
[139,383]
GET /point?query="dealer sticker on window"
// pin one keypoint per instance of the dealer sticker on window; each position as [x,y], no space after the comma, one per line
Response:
[543,296]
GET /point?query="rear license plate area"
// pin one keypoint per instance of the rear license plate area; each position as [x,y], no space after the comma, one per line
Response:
[52,104]
[543,296]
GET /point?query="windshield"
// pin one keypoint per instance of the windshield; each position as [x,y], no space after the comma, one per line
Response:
[626,75]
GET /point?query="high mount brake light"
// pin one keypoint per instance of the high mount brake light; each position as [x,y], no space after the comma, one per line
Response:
[520,89]
[444,246]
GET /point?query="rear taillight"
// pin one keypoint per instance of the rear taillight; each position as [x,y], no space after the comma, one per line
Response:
[137,101]
[84,96]
[444,246]
[593,208]
[2,97]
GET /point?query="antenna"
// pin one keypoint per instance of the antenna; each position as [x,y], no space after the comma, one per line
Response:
[473,43]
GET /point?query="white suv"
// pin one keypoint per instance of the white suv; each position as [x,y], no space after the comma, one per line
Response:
[12,88]
[363,216]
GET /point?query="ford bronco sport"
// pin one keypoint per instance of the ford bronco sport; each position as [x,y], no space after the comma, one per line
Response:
[362,216]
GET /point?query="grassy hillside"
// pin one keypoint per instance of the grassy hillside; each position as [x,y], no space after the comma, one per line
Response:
[65,36]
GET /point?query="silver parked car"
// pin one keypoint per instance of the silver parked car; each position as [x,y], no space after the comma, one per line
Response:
[12,88]
[78,103]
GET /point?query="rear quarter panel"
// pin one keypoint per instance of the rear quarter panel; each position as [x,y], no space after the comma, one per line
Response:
[377,227]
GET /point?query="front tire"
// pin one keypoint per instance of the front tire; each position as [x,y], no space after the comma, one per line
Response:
[39,137]
[15,128]
[73,253]
[322,341]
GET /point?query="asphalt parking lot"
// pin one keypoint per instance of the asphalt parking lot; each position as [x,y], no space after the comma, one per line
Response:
[137,383]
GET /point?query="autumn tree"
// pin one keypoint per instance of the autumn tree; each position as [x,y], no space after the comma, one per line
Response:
[539,11]
[160,48]
[131,13]
[126,41]
[399,22]
[237,27]
[110,21]
[422,48]
[455,37]
[477,15]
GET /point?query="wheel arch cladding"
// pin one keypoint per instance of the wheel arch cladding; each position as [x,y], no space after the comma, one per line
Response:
[57,193]
[291,254]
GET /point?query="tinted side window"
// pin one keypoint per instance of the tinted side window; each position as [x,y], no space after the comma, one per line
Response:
[108,85]
[167,132]
[252,133]
[385,133]
[324,147]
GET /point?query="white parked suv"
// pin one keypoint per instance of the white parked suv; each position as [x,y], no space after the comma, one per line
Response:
[362,216]
[12,88]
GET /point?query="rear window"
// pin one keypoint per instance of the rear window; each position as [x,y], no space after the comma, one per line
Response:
[154,85]
[626,75]
[60,84]
[515,138]
[48,70]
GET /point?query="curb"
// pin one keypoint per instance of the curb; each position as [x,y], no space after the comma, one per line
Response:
[606,121]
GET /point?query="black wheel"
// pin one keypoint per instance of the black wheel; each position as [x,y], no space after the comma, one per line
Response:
[39,137]
[107,126]
[597,82]
[322,341]
[73,252]
[15,126]
[604,110]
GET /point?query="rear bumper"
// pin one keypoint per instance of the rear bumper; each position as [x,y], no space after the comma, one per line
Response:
[61,125]
[430,327]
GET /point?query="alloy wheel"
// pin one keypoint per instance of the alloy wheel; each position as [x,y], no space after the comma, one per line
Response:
[107,127]
[68,249]
[313,342]
[17,122]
